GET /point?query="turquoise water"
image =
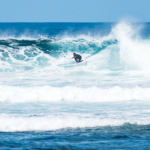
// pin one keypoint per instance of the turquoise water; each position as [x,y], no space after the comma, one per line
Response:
[49,102]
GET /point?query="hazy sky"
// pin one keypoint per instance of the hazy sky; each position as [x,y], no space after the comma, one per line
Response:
[74,10]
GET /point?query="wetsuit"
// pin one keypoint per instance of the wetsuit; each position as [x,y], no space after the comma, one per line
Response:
[77,58]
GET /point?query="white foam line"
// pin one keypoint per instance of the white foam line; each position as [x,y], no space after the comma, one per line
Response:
[11,124]
[71,94]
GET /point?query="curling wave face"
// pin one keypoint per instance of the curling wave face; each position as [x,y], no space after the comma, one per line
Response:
[29,54]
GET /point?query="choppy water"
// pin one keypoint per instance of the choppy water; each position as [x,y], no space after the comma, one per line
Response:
[47,101]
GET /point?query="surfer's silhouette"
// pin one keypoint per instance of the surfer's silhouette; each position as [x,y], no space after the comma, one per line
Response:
[77,57]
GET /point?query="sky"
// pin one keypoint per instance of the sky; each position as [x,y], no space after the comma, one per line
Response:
[74,10]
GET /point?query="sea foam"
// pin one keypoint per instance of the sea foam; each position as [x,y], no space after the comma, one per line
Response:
[72,94]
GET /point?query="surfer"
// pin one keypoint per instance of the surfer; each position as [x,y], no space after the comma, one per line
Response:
[77,58]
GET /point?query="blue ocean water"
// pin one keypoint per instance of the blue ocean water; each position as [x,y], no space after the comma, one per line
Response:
[49,102]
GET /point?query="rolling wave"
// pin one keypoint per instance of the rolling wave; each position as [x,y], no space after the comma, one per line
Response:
[121,50]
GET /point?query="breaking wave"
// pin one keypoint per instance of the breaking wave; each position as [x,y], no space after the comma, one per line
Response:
[121,50]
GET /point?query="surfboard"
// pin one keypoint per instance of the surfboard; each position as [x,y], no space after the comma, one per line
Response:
[81,61]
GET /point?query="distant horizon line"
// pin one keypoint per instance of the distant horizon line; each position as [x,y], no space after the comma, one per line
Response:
[72,22]
[58,22]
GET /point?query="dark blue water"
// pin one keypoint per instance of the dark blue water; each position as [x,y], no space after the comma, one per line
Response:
[53,29]
[59,29]
[124,137]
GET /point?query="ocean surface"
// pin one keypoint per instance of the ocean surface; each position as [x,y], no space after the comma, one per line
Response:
[47,101]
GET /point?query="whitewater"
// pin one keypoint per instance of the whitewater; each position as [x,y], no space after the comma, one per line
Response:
[101,103]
